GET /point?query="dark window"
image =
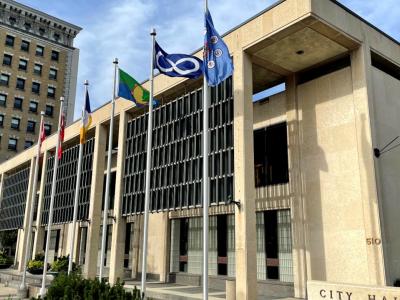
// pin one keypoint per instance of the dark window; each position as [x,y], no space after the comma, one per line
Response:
[53,74]
[12,20]
[4,79]
[12,144]
[10,41]
[49,110]
[51,92]
[18,103]
[15,123]
[54,55]
[23,65]
[270,155]
[7,60]
[47,129]
[20,84]
[42,30]
[128,232]
[39,50]
[271,243]
[184,244]
[222,244]
[57,37]
[1,120]
[28,144]
[321,70]
[25,46]
[33,106]
[31,126]
[37,69]
[35,87]
[3,99]
[385,65]
[27,26]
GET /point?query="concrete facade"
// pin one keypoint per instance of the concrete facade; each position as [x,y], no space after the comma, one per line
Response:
[342,201]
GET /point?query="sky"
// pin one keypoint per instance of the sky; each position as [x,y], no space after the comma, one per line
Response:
[120,28]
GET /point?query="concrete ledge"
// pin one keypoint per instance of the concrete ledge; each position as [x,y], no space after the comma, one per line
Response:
[323,290]
[273,288]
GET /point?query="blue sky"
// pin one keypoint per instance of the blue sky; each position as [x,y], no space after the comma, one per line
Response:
[120,28]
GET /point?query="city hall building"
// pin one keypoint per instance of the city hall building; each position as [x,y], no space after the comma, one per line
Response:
[296,192]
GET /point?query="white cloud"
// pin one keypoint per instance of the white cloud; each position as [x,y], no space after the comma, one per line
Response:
[123,31]
[120,31]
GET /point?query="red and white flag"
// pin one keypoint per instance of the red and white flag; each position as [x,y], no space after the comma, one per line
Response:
[62,129]
[42,135]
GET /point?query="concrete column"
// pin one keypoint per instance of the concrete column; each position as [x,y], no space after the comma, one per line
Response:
[136,245]
[245,225]
[363,109]
[23,243]
[40,230]
[297,197]
[96,193]
[119,228]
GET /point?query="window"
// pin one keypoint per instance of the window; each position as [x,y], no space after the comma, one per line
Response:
[23,65]
[184,244]
[4,79]
[20,84]
[15,123]
[47,129]
[12,20]
[37,69]
[18,103]
[1,120]
[270,155]
[28,144]
[51,92]
[42,30]
[36,87]
[25,46]
[49,110]
[27,26]
[53,74]
[57,37]
[7,60]
[33,106]
[3,99]
[10,41]
[54,55]
[39,50]
[12,144]
[31,126]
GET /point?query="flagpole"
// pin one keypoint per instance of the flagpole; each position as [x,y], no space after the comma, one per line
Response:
[206,105]
[77,187]
[51,209]
[107,194]
[148,167]
[23,286]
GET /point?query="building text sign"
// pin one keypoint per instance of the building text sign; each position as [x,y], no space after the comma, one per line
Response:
[323,290]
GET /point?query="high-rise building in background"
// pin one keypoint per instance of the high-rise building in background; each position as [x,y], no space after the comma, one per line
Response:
[39,65]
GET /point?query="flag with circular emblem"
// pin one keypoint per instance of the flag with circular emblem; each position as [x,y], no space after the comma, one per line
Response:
[218,64]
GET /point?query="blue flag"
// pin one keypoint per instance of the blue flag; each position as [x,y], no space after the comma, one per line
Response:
[177,65]
[218,64]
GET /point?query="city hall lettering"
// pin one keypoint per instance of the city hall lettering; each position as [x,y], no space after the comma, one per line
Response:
[345,295]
